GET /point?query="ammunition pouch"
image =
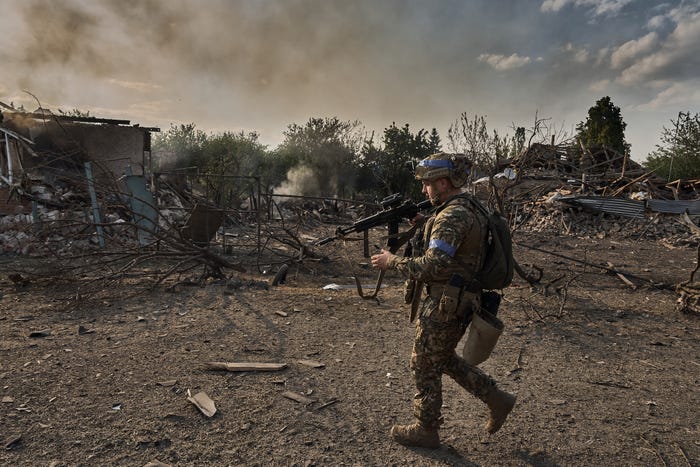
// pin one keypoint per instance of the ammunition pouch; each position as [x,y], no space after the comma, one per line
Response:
[449,300]
[454,300]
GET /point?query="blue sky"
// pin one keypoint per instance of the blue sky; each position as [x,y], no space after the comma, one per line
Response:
[260,65]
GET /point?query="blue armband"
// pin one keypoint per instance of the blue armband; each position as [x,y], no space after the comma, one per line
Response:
[443,246]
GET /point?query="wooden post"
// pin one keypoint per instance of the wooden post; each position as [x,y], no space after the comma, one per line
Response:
[95,209]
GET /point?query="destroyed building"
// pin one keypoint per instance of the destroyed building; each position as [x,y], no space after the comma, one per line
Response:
[596,180]
[51,149]
[49,163]
[42,144]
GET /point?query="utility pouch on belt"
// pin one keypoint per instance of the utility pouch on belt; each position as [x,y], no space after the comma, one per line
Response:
[484,331]
[451,295]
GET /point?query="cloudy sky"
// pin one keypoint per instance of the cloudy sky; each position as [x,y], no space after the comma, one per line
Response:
[260,65]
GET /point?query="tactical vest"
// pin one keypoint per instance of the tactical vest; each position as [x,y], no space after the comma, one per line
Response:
[471,250]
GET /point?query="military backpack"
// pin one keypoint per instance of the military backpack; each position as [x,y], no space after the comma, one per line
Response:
[497,269]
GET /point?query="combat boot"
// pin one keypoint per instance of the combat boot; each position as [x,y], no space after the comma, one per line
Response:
[500,404]
[416,435]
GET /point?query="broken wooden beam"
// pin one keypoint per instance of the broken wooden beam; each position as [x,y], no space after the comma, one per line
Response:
[297,397]
[245,366]
[312,363]
[620,275]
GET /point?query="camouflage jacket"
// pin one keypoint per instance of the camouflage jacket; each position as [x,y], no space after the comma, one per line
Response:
[457,229]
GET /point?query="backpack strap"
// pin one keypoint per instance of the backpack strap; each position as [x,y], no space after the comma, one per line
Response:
[474,285]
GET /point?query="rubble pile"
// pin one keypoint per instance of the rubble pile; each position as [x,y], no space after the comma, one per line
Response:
[551,216]
[598,194]
[573,160]
[14,236]
[57,234]
[64,232]
[544,210]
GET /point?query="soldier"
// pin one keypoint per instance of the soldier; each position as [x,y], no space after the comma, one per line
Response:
[455,237]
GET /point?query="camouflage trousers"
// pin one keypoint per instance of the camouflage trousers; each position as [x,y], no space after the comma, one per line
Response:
[434,355]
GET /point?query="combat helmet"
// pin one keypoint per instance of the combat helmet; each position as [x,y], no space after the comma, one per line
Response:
[456,167]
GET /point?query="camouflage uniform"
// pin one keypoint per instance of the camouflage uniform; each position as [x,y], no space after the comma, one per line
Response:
[455,230]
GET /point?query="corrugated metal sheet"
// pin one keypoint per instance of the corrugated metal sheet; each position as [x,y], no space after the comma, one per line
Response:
[632,208]
[616,206]
[674,206]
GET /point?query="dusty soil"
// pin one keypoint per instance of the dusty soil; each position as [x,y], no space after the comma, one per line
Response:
[605,374]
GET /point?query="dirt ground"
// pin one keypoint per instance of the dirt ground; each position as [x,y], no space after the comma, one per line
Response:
[605,374]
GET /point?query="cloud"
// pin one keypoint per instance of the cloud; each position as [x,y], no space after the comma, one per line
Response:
[678,56]
[657,22]
[684,10]
[608,7]
[553,5]
[624,54]
[602,56]
[599,86]
[596,7]
[503,62]
[674,96]
[263,65]
[579,55]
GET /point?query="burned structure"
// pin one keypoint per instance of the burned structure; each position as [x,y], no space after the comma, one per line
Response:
[52,150]
[84,187]
[570,180]
[65,180]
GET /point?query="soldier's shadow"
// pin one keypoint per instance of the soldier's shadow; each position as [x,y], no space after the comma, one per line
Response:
[446,454]
[451,456]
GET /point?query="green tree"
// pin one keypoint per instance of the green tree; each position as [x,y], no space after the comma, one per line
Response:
[393,166]
[367,162]
[678,155]
[322,155]
[603,127]
[231,153]
[221,160]
[226,160]
[178,147]
[434,142]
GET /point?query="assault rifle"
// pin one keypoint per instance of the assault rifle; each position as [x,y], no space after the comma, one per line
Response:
[394,209]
